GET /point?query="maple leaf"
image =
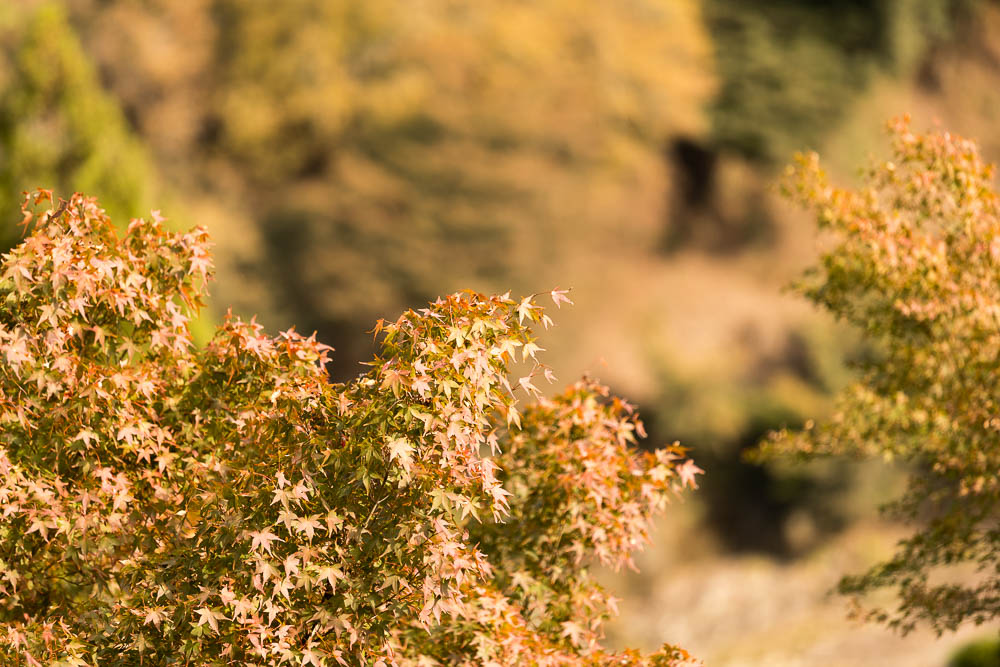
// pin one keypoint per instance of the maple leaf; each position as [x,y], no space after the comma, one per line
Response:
[201,264]
[242,607]
[529,350]
[99,334]
[574,631]
[506,347]
[154,616]
[40,526]
[524,309]
[283,587]
[421,385]
[687,471]
[512,416]
[17,353]
[87,436]
[331,573]
[559,297]
[526,384]
[308,526]
[291,565]
[458,335]
[227,595]
[127,433]
[309,657]
[263,539]
[211,617]
[401,450]
[392,379]
[50,313]
[660,473]
[282,496]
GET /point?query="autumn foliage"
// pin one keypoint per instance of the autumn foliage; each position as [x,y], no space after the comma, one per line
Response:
[165,504]
[913,261]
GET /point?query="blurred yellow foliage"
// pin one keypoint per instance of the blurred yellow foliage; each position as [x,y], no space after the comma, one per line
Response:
[393,150]
[58,129]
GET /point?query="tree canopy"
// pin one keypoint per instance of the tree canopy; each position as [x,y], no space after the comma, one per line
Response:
[168,504]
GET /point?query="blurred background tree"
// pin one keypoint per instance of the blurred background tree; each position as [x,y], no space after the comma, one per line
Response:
[58,127]
[389,151]
[791,69]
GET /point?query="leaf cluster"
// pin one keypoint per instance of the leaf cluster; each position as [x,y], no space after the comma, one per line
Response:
[913,262]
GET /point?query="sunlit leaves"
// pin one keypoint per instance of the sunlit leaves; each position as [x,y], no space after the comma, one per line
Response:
[401,450]
[559,297]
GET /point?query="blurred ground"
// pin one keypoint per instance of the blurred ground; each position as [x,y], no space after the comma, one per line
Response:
[751,611]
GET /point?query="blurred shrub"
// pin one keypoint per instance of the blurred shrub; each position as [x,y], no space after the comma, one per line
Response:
[723,413]
[790,69]
[980,653]
[57,127]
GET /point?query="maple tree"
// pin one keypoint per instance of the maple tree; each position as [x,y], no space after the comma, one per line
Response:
[168,504]
[914,263]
